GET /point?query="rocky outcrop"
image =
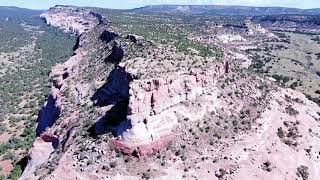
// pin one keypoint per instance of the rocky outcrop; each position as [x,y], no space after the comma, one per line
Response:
[77,21]
[154,108]
[39,154]
[295,23]
[135,38]
[60,74]
[217,118]
[72,19]
[256,29]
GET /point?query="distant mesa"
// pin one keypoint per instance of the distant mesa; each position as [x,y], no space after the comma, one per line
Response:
[223,10]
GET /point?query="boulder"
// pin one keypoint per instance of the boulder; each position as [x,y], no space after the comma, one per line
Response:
[39,154]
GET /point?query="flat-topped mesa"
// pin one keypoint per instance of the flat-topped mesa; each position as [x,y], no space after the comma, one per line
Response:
[73,19]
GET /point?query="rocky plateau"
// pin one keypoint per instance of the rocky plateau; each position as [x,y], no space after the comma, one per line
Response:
[118,110]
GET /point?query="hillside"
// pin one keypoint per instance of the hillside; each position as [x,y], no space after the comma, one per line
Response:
[223,10]
[157,104]
[308,24]
[7,11]
[28,50]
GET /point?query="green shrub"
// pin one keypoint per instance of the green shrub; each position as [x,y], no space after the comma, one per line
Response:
[15,173]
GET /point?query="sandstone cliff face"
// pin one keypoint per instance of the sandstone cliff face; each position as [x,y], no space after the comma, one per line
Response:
[78,20]
[49,113]
[60,75]
[257,29]
[154,108]
[40,153]
[150,106]
[208,120]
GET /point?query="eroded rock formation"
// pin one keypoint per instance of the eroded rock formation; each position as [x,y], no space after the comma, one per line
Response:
[216,119]
[154,108]
[39,154]
[72,19]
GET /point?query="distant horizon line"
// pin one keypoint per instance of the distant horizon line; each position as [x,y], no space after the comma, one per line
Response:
[165,5]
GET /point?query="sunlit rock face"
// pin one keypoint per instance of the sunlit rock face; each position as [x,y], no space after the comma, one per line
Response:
[40,152]
[72,19]
[214,120]
[155,106]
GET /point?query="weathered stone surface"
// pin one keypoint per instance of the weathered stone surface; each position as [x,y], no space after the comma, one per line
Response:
[154,106]
[39,154]
[219,120]
[135,38]
[72,19]
[61,74]
[295,23]
[51,110]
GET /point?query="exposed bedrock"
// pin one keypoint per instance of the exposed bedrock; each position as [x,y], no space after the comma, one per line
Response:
[135,38]
[295,23]
[154,108]
[73,19]
[77,21]
[60,74]
[70,138]
[39,154]
[46,144]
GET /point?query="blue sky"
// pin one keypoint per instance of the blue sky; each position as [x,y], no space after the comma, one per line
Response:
[127,4]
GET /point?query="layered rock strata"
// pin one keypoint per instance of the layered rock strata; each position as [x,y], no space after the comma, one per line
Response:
[224,122]
[155,106]
[39,154]
[72,19]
